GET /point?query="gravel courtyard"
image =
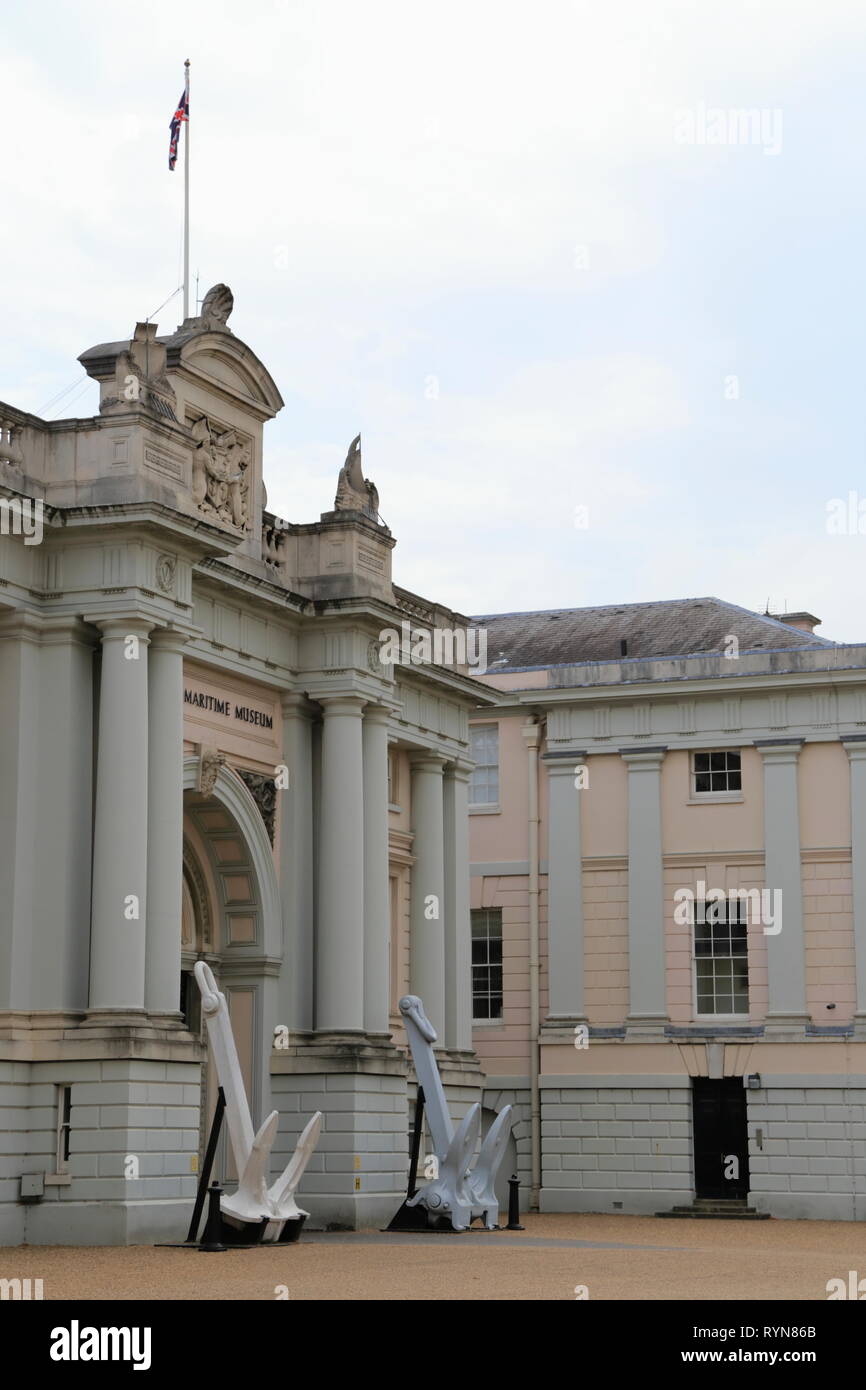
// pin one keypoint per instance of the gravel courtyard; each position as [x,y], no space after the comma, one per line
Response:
[614,1257]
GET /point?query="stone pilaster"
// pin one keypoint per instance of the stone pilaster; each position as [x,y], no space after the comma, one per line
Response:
[427,933]
[855,747]
[377,925]
[19,753]
[565,968]
[61,890]
[647,1012]
[340,937]
[164,822]
[458,932]
[295,822]
[786,954]
[119,903]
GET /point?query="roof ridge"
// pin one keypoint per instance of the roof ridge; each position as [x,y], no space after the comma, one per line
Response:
[601,607]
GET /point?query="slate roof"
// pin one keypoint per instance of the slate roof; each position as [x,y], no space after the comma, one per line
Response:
[669,627]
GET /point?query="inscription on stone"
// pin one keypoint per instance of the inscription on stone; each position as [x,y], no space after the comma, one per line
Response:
[164,463]
[228,708]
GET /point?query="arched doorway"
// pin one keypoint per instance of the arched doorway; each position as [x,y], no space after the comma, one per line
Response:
[230,917]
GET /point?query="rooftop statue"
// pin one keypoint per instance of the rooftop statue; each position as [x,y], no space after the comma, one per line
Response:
[217,306]
[355,493]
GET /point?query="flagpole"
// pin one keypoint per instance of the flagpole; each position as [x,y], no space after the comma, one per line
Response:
[186,202]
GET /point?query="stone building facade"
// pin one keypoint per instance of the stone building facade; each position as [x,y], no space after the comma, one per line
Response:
[203,756]
[649,759]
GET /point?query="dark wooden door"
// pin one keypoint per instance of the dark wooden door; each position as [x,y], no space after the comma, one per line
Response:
[720,1138]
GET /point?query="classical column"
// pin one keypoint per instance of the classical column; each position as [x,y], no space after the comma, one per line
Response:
[458,932]
[20,670]
[855,747]
[60,938]
[297,982]
[646,922]
[164,821]
[340,937]
[119,900]
[786,955]
[427,931]
[564,890]
[377,912]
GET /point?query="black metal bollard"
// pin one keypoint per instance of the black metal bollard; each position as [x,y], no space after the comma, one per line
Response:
[212,1239]
[514,1205]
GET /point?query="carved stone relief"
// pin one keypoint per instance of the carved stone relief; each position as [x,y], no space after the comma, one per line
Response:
[220,473]
[264,793]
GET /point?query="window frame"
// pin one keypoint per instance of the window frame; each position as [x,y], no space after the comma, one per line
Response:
[393,780]
[742,907]
[63,1130]
[704,798]
[490,994]
[485,807]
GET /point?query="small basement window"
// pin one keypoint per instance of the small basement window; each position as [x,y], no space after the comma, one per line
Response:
[64,1125]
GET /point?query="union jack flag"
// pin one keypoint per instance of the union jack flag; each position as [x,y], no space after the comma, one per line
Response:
[180,115]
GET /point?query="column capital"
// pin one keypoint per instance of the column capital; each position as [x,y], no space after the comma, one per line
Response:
[779,750]
[60,628]
[20,623]
[114,628]
[426,761]
[297,703]
[460,769]
[643,756]
[564,763]
[344,704]
[376,714]
[531,733]
[855,746]
[168,639]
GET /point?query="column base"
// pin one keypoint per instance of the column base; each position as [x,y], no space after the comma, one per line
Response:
[132,1172]
[786,1027]
[357,1176]
[646,1026]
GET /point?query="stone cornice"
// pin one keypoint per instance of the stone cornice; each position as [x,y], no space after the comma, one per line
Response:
[685,686]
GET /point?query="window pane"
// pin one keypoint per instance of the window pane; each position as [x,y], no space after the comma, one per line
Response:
[702,782]
[702,762]
[486,963]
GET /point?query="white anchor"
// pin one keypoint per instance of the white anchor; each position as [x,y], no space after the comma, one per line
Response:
[253,1199]
[456,1192]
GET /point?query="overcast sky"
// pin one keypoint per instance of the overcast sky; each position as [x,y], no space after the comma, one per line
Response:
[529,251]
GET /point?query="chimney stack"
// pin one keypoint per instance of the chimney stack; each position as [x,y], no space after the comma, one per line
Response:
[804,622]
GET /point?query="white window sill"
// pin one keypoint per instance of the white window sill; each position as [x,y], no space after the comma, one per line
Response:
[484,810]
[714,798]
[394,808]
[58,1179]
[488,1022]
